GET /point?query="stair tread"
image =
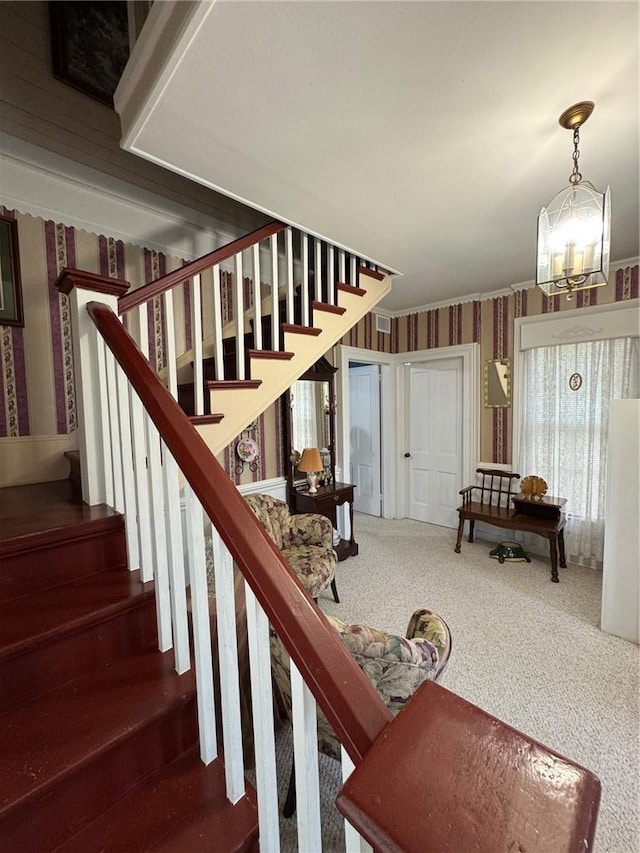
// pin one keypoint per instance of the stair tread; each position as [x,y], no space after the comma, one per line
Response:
[181,808]
[42,509]
[48,613]
[74,724]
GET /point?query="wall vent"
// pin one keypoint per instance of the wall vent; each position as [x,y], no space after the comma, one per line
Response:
[383,324]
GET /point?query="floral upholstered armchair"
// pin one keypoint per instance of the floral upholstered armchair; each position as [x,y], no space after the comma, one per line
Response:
[305,540]
[396,666]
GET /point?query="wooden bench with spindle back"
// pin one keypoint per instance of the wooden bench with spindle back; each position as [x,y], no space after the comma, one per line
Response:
[494,501]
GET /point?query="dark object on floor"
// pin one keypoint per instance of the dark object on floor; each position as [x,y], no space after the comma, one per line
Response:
[509,552]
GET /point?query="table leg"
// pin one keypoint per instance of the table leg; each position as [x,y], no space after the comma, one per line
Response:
[553,548]
[563,559]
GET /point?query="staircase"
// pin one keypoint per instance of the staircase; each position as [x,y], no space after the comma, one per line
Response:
[100,738]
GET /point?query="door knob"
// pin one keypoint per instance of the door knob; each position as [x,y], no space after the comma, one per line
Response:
[407,456]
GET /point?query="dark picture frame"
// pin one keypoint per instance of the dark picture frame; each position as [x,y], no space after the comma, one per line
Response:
[11,289]
[90,45]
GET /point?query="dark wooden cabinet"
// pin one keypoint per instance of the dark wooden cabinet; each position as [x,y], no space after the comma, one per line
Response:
[325,502]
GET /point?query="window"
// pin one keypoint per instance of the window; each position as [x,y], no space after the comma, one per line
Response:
[564,431]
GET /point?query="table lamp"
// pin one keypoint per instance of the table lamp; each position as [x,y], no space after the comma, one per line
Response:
[310,463]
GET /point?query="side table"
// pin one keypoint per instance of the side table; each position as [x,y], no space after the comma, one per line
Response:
[325,502]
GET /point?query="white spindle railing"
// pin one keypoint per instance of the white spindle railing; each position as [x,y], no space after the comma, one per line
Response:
[287,263]
[133,470]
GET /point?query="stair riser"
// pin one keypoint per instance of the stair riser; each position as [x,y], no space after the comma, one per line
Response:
[51,664]
[42,823]
[40,562]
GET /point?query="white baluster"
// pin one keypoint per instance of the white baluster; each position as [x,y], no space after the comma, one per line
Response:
[354,271]
[141,475]
[143,320]
[175,555]
[305,747]
[170,344]
[318,269]
[288,235]
[331,277]
[114,425]
[128,484]
[342,266]
[275,308]
[217,323]
[228,664]
[263,732]
[195,289]
[306,318]
[238,310]
[257,298]
[159,536]
[201,628]
[107,461]
[354,842]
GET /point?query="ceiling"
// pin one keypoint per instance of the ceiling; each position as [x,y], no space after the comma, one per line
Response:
[423,135]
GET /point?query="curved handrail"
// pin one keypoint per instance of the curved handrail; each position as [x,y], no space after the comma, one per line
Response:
[347,698]
[166,282]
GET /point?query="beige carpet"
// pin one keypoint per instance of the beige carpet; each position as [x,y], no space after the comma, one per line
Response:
[527,651]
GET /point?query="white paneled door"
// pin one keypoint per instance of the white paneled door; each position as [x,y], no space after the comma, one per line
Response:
[434,452]
[364,436]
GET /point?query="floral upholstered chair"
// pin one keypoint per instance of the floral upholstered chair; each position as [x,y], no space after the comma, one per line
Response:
[305,540]
[396,666]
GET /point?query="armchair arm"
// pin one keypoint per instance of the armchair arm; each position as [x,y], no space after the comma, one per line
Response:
[396,666]
[310,528]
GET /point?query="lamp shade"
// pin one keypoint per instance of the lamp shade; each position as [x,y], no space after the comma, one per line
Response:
[310,460]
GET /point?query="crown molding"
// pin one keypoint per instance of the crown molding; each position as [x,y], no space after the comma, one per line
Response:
[493,294]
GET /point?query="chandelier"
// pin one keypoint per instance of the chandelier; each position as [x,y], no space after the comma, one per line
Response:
[574,228]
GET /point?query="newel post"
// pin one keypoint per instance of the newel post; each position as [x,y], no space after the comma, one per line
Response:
[82,287]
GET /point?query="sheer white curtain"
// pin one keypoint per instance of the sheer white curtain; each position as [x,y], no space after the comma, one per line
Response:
[564,432]
[305,422]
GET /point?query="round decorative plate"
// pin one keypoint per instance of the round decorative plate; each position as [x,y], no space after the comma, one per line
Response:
[247,450]
[533,487]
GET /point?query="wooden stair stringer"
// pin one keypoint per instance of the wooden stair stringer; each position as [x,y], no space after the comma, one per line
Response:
[242,407]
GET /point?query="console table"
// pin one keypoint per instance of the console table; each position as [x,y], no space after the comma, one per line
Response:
[325,502]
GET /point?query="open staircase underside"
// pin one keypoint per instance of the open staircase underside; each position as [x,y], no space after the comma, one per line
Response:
[100,746]
[234,404]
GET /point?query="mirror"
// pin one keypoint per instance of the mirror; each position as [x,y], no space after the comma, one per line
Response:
[310,413]
[497,383]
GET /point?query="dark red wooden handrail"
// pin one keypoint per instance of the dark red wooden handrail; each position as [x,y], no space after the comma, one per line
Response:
[154,288]
[348,699]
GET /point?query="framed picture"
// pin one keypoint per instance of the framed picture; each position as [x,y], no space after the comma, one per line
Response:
[11,290]
[90,45]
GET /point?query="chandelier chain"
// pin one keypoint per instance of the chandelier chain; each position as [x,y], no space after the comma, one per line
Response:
[575,177]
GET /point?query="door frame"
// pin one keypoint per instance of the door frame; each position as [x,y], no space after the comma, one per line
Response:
[374,382]
[388,426]
[393,402]
[469,353]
